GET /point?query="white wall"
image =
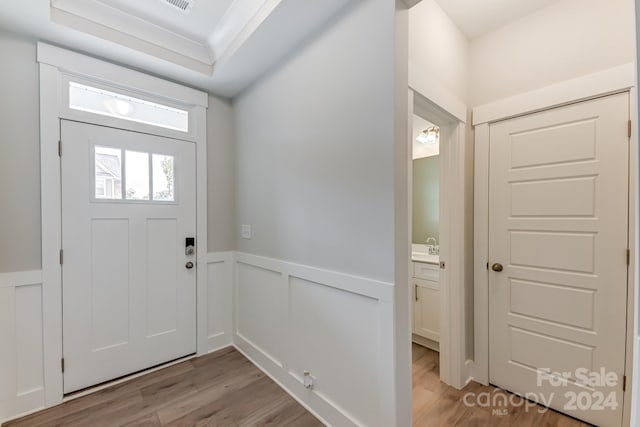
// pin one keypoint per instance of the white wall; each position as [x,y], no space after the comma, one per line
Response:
[19,156]
[315,150]
[315,177]
[438,48]
[565,40]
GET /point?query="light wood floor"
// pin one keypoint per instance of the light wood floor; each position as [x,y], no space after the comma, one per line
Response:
[225,389]
[436,404]
[221,389]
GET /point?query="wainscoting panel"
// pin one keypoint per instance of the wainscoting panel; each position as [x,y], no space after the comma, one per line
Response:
[21,351]
[261,308]
[219,308]
[292,319]
[285,317]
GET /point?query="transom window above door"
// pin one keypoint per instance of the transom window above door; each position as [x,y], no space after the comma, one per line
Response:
[106,103]
[132,175]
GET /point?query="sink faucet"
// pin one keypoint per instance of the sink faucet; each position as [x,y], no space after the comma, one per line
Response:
[433,249]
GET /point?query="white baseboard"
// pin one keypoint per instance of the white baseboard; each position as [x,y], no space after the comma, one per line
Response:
[251,355]
[426,342]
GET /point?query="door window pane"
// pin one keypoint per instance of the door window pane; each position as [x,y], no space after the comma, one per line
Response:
[137,175]
[101,191]
[163,184]
[146,176]
[108,173]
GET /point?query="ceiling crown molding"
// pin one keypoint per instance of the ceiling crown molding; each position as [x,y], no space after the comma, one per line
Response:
[106,21]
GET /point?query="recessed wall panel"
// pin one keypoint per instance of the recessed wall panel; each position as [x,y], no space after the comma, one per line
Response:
[7,349]
[29,348]
[162,280]
[262,309]
[335,335]
[110,282]
[563,143]
[217,302]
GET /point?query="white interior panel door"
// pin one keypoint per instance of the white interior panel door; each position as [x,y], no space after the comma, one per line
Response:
[558,227]
[129,298]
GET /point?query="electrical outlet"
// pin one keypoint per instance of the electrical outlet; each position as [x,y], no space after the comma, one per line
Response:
[245,231]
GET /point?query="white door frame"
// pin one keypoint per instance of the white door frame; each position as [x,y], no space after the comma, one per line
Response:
[614,80]
[57,66]
[453,243]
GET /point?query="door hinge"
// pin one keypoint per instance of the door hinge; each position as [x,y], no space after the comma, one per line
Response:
[415,290]
[59,148]
[628,256]
[624,383]
[61,256]
[629,128]
[62,365]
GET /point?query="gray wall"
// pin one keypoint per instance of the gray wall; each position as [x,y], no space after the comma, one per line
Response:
[315,150]
[221,176]
[20,245]
[426,196]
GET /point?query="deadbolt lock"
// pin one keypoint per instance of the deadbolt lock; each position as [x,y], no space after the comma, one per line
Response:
[189,246]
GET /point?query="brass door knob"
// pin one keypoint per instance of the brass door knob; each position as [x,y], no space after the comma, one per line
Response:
[497,267]
[189,265]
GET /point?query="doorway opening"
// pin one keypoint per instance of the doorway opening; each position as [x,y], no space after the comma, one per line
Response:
[438,306]
[425,233]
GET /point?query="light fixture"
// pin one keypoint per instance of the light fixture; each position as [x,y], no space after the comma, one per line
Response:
[430,135]
[118,107]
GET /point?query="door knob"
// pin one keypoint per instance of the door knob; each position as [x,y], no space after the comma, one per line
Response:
[189,265]
[497,267]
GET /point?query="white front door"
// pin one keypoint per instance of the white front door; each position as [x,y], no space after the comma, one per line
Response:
[129,298]
[558,226]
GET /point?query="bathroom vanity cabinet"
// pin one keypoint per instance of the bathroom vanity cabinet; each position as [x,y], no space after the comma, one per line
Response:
[426,304]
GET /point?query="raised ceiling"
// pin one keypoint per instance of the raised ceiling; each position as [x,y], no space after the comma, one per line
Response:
[476,18]
[200,39]
[197,24]
[220,46]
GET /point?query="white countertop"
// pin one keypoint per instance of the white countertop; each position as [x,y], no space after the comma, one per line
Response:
[424,257]
[419,254]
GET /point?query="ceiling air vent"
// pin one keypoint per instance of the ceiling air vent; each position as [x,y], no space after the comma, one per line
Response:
[183,6]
